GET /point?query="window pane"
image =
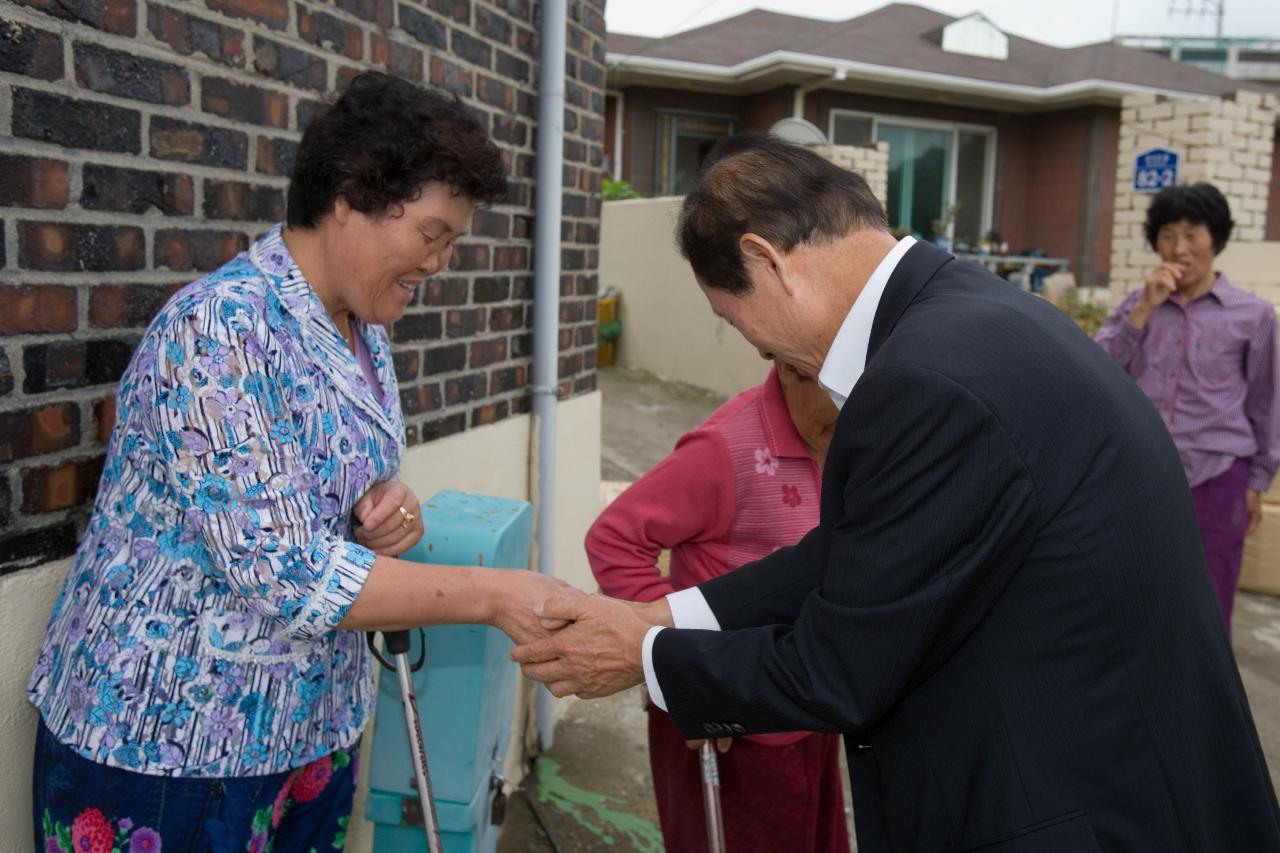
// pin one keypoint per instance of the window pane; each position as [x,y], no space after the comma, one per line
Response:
[851,130]
[690,152]
[919,178]
[1203,55]
[971,185]
[683,142]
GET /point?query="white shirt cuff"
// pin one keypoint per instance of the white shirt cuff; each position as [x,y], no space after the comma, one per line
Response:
[689,609]
[650,676]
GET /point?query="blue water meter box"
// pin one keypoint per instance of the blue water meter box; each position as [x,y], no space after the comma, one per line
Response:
[465,689]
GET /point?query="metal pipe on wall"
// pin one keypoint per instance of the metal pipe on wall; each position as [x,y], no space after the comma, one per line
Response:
[546,304]
[619,107]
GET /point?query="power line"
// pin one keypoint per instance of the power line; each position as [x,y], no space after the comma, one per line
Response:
[1200,9]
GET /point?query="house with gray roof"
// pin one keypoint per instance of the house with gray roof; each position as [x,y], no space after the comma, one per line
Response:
[987,132]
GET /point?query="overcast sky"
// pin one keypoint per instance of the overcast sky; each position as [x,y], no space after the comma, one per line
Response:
[1064,24]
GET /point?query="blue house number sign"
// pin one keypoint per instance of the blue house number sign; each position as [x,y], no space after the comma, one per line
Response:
[1155,169]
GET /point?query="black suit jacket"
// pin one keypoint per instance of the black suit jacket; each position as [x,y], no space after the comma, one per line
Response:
[1005,607]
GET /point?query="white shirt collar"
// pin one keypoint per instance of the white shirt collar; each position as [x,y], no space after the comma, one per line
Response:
[847,357]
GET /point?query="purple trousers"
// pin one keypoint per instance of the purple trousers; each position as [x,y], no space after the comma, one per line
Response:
[1223,517]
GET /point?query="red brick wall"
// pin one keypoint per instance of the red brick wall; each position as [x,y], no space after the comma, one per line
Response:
[148,141]
[1106,161]
[1013,167]
[1056,187]
[761,112]
[1056,173]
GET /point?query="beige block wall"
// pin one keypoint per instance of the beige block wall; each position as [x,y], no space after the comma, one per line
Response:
[1227,143]
[26,599]
[871,161]
[1254,267]
[1260,570]
[491,460]
[667,327]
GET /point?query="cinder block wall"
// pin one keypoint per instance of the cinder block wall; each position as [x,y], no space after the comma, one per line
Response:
[143,142]
[1228,143]
[870,161]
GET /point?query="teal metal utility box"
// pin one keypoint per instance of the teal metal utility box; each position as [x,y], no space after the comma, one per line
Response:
[466,691]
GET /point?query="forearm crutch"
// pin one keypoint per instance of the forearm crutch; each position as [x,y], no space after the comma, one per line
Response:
[711,797]
[398,644]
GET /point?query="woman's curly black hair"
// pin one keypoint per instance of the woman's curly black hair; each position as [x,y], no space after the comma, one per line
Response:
[1199,204]
[384,140]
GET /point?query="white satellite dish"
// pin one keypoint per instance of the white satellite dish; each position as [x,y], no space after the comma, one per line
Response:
[799,131]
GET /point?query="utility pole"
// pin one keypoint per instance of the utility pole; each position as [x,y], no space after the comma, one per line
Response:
[1203,9]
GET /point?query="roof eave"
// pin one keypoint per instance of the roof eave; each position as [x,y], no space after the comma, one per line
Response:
[806,68]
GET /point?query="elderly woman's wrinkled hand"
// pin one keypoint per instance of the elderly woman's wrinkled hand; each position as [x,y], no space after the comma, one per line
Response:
[389,519]
[518,611]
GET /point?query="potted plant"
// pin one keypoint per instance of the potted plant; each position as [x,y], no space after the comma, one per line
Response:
[941,238]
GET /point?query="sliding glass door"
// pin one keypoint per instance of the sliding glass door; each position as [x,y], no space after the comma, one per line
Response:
[919,177]
[940,174]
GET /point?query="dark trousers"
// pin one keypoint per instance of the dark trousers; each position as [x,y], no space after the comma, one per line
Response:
[773,798]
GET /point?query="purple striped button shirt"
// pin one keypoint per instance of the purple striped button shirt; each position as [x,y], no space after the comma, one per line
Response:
[1211,370]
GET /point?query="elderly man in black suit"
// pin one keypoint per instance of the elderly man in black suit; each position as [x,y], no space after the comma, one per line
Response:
[1005,607]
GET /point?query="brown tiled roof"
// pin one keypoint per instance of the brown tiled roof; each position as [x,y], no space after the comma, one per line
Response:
[905,36]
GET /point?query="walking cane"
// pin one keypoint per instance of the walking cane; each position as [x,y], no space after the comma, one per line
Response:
[398,643]
[711,797]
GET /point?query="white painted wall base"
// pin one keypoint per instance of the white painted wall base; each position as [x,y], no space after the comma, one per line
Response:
[490,460]
[26,598]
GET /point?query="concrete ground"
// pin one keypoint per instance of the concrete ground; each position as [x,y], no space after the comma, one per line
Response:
[593,789]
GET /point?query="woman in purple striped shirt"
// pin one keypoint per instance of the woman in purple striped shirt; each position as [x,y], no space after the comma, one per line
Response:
[1205,353]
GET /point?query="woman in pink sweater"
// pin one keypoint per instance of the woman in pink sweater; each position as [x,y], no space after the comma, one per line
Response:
[737,488]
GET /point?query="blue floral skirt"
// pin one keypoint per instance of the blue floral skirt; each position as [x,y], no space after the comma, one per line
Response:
[86,807]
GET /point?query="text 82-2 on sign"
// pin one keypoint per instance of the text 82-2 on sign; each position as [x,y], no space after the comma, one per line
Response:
[1155,169]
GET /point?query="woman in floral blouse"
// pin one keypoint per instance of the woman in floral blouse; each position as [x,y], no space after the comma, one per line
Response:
[204,679]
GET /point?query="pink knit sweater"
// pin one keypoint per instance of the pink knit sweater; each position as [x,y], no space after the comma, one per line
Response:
[734,490]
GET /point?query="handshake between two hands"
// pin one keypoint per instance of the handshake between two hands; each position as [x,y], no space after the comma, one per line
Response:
[575,643]
[587,645]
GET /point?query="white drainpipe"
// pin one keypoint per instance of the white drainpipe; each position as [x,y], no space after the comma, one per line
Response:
[619,105]
[797,104]
[546,307]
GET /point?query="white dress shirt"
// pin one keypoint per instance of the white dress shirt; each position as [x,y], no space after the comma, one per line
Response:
[840,371]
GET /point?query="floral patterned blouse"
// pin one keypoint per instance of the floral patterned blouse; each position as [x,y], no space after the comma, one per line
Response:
[195,633]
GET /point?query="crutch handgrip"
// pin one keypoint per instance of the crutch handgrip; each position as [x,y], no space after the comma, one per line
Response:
[397,642]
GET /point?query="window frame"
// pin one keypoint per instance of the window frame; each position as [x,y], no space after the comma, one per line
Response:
[956,128]
[665,142]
